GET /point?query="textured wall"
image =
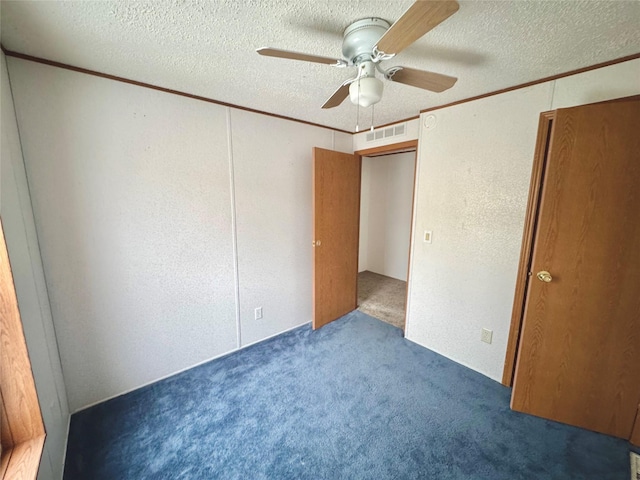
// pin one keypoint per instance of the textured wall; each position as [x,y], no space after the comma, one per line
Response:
[130,189]
[28,276]
[386,203]
[474,172]
[132,192]
[272,165]
[342,142]
[473,183]
[615,81]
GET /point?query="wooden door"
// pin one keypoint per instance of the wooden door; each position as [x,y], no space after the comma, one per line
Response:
[336,223]
[579,352]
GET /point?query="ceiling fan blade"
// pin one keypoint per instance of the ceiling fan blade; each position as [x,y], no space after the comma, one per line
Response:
[435,82]
[275,52]
[421,17]
[339,95]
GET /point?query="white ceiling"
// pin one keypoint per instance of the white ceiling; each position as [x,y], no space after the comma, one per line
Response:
[207,48]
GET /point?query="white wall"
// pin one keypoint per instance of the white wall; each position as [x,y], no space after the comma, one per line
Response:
[615,81]
[33,301]
[132,192]
[272,163]
[474,169]
[386,203]
[473,184]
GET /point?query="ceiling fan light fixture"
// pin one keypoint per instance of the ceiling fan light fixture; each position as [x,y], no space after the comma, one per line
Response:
[366,91]
[369,41]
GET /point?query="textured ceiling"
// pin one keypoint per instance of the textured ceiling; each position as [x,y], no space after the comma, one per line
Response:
[207,48]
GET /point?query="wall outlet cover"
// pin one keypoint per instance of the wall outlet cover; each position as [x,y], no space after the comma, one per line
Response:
[258,313]
[487,335]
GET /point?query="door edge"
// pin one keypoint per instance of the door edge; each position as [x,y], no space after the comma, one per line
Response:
[537,176]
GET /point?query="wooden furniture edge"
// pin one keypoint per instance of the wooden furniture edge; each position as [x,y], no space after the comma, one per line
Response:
[21,462]
[537,172]
[23,430]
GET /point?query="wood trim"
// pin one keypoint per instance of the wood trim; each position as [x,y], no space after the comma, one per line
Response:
[23,460]
[4,463]
[86,71]
[536,82]
[23,430]
[537,176]
[413,207]
[359,159]
[404,150]
[630,98]
[392,148]
[5,428]
[65,66]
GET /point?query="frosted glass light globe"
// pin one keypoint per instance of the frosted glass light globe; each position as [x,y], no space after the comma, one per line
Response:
[368,92]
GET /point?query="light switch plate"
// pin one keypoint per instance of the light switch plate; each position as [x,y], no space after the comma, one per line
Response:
[427,236]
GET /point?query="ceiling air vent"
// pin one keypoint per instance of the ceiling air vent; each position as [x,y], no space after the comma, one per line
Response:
[383,133]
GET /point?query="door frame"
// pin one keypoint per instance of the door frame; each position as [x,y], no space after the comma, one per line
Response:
[545,125]
[401,147]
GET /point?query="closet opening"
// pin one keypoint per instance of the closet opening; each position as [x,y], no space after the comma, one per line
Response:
[387,187]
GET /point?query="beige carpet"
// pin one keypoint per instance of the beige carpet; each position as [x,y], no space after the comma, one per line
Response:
[382,297]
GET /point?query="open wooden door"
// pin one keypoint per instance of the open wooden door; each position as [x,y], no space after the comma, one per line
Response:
[336,221]
[579,351]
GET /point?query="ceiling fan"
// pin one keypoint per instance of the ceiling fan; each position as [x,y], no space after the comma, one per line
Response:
[370,41]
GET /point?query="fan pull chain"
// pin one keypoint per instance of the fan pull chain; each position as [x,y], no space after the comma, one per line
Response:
[358,109]
[372,118]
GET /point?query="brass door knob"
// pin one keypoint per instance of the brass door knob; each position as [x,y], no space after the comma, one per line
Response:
[544,276]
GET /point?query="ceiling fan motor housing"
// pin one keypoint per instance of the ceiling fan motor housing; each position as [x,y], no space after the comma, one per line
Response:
[360,37]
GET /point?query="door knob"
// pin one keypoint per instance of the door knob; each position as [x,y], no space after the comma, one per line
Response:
[544,276]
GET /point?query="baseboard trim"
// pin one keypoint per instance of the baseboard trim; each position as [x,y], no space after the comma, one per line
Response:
[185,369]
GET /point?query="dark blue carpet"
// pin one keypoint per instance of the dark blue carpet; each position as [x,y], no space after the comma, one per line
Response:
[353,400]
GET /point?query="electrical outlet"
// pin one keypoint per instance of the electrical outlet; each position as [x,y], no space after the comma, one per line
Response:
[487,335]
[427,236]
[258,313]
